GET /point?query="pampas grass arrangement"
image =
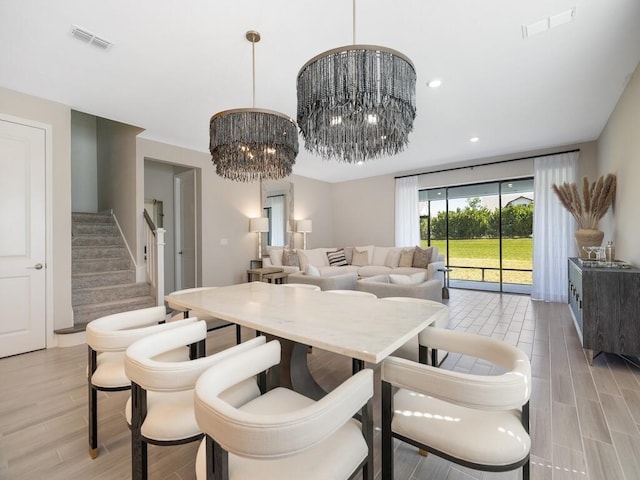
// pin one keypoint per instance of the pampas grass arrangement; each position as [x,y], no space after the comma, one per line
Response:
[596,198]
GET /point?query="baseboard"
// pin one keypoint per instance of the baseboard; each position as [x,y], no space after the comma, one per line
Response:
[71,339]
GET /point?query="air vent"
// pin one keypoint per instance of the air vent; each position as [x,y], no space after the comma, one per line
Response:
[548,23]
[90,38]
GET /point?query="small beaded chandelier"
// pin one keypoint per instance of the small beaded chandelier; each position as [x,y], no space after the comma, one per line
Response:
[356,102]
[248,144]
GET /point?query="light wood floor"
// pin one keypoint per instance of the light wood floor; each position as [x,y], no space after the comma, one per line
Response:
[584,420]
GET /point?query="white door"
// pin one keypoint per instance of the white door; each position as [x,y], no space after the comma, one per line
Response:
[185,213]
[22,238]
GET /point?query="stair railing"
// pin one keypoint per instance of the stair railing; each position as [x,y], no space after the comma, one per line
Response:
[154,257]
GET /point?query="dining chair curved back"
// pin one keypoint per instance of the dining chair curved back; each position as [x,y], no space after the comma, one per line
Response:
[282,434]
[415,349]
[160,410]
[479,421]
[213,323]
[107,339]
[307,286]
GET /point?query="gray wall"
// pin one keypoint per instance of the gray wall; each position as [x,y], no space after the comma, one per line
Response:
[313,202]
[364,210]
[226,207]
[84,163]
[158,185]
[619,153]
[118,178]
[59,117]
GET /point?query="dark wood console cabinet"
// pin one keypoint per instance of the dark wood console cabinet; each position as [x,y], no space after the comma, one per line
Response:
[605,303]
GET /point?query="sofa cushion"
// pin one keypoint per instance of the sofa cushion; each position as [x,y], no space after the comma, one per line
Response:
[312,271]
[348,253]
[275,254]
[290,258]
[331,271]
[337,258]
[360,257]
[371,270]
[380,256]
[406,257]
[422,257]
[393,257]
[316,256]
[412,279]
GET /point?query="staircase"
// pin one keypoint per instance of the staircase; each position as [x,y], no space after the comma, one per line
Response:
[102,272]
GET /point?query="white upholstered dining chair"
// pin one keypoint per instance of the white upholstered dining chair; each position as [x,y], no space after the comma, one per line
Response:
[213,323]
[479,421]
[107,339]
[416,349]
[160,410]
[282,434]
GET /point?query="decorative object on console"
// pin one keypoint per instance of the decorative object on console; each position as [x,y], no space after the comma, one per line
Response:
[356,102]
[304,227]
[248,144]
[422,257]
[259,225]
[596,199]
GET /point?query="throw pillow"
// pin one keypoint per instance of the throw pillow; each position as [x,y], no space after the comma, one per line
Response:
[312,271]
[337,258]
[290,258]
[422,257]
[276,257]
[360,259]
[348,253]
[406,257]
[393,257]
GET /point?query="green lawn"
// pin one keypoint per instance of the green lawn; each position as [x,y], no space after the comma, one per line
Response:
[484,252]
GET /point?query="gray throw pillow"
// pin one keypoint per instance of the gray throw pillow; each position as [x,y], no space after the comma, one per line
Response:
[422,257]
[290,258]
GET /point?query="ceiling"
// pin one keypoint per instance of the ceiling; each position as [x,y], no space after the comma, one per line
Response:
[174,64]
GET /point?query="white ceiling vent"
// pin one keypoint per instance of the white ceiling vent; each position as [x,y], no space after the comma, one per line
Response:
[548,23]
[91,38]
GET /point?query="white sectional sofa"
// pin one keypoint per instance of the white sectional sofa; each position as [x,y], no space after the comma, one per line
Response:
[379,261]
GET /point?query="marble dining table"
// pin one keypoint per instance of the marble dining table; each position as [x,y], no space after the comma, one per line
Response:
[366,329]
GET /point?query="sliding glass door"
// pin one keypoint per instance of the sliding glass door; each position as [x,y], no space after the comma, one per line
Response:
[485,232]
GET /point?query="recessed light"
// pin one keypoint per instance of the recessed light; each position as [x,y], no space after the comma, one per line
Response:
[435,83]
[474,139]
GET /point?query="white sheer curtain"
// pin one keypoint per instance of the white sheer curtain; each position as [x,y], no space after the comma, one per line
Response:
[553,227]
[407,213]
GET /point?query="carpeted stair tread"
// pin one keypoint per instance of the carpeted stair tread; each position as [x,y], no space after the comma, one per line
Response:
[104,293]
[86,313]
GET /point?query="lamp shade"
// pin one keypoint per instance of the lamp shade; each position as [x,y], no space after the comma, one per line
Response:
[304,226]
[259,224]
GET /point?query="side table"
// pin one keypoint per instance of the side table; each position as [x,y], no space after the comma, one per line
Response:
[445,285]
[277,277]
[261,272]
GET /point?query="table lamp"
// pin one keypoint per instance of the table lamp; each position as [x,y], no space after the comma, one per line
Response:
[304,227]
[259,225]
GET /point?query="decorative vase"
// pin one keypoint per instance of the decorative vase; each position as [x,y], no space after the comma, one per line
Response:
[588,237]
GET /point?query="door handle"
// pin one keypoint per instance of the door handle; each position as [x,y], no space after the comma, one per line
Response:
[37,266]
[180,252]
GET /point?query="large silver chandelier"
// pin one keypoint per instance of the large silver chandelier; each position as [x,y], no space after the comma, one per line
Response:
[356,102]
[247,144]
